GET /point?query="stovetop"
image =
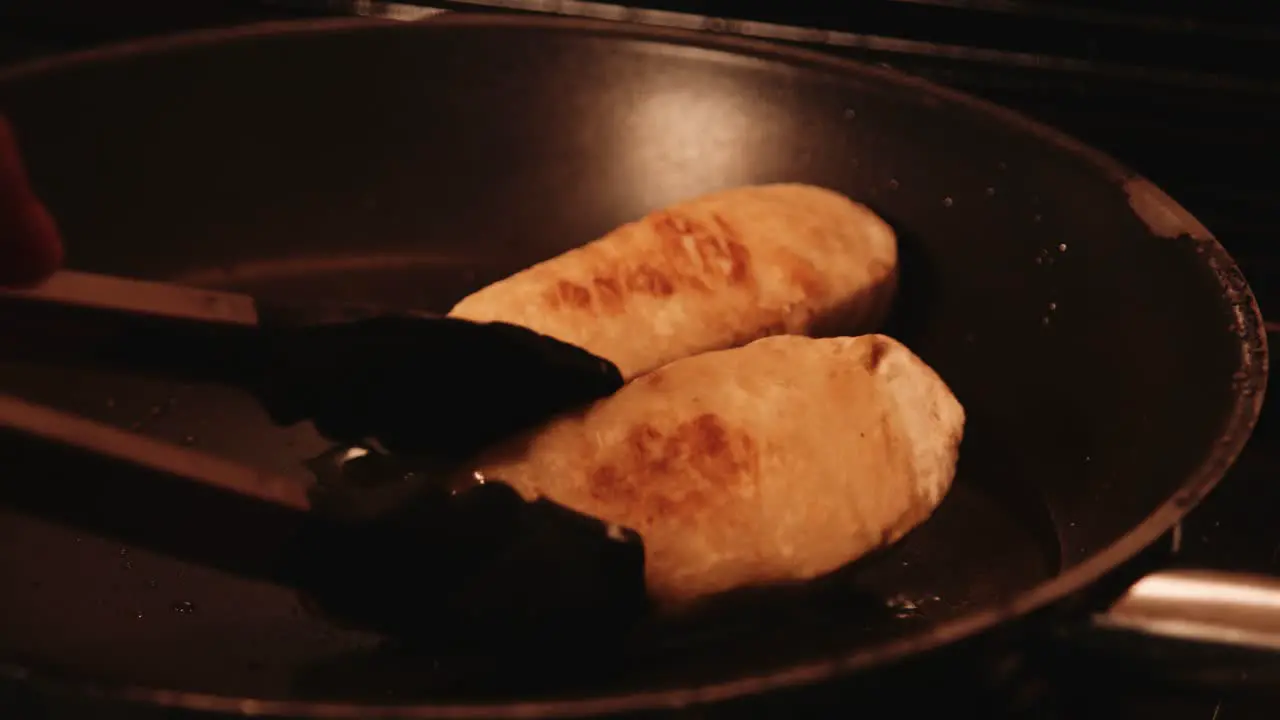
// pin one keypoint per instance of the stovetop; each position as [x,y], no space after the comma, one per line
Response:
[1187,97]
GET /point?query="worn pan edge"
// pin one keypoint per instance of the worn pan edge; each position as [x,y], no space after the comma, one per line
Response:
[1164,216]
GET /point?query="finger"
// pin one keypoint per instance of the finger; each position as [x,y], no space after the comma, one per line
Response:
[30,245]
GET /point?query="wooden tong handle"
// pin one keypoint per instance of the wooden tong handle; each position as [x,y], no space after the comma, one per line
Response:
[182,464]
[81,319]
[72,289]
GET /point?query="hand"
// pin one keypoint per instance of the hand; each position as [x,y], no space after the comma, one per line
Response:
[30,247]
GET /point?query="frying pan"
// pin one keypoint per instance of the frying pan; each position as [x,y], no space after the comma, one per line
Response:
[1109,353]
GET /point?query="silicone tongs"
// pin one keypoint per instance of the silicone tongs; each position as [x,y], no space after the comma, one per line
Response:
[418,385]
[414,383]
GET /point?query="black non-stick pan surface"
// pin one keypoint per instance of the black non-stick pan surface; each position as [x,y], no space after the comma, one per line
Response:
[1106,348]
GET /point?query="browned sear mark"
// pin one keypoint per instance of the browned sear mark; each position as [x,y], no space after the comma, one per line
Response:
[716,257]
[570,294]
[682,470]
[808,279]
[719,250]
[609,292]
[740,259]
[876,354]
[649,281]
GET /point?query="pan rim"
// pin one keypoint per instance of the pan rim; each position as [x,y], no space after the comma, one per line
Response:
[1249,391]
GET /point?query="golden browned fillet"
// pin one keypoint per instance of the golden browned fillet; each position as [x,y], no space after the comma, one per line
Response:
[715,272]
[778,461]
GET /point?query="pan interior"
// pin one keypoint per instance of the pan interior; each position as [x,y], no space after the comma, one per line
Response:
[1094,359]
[988,541]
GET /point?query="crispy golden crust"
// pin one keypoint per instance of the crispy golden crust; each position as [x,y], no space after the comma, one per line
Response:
[714,272]
[778,461]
